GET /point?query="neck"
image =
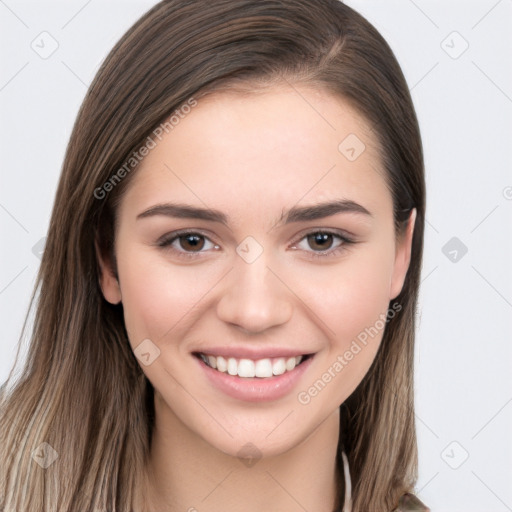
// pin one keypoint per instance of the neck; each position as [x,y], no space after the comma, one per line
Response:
[185,473]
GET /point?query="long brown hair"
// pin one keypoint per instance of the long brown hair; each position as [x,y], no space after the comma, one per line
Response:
[81,389]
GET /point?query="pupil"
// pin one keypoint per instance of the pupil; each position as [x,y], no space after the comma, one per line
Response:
[320,240]
[194,241]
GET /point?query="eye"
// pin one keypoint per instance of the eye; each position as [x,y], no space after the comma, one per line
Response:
[319,240]
[324,243]
[187,243]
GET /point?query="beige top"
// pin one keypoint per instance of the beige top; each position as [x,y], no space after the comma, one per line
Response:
[407,503]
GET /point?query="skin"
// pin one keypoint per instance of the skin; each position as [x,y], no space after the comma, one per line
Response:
[252,156]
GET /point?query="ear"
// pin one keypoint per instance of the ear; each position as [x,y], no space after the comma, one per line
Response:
[402,257]
[108,280]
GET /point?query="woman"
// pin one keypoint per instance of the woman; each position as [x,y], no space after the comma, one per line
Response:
[226,303]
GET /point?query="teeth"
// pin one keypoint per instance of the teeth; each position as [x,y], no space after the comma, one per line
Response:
[232,366]
[263,368]
[222,364]
[279,366]
[290,363]
[248,368]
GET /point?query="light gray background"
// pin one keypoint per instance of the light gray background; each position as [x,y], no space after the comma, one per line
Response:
[464,104]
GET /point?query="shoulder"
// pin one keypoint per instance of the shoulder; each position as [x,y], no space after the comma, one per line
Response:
[409,503]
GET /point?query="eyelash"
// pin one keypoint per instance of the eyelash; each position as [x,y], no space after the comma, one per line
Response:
[165,243]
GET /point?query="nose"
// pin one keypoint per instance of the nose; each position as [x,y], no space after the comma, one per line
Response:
[254,298]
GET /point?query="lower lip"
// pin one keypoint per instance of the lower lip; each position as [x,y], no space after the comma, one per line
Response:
[255,389]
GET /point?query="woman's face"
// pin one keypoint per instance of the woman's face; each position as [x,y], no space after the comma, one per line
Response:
[226,247]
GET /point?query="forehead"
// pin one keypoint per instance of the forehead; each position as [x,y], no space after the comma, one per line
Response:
[281,145]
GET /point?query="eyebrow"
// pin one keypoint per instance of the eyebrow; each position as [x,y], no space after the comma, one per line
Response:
[295,214]
[321,210]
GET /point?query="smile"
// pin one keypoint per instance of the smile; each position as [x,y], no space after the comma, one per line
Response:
[253,377]
[248,368]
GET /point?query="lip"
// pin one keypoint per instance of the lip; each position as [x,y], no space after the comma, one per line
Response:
[255,389]
[251,353]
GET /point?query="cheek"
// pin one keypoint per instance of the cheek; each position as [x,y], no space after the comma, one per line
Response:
[351,297]
[157,297]
[352,307]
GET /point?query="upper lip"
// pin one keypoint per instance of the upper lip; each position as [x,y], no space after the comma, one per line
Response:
[251,353]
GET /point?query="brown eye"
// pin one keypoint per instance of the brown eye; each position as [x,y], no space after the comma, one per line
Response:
[191,242]
[322,244]
[187,243]
[320,241]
